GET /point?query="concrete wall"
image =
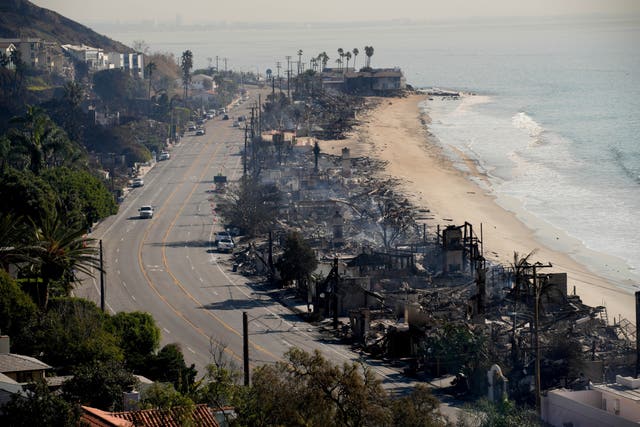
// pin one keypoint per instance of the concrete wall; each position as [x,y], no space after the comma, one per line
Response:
[580,409]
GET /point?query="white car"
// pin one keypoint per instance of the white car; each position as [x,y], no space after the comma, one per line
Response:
[137,182]
[145,211]
[226,245]
[164,156]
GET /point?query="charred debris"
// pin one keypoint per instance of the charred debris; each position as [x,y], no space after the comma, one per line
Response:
[400,287]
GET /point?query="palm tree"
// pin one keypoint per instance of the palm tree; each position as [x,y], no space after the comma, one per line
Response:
[341,54]
[368,50]
[37,138]
[151,67]
[62,251]
[324,59]
[355,56]
[186,64]
[348,56]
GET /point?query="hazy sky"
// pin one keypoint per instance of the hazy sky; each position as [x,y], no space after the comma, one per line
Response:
[194,11]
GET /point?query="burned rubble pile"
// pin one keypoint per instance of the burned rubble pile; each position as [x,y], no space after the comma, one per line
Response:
[400,287]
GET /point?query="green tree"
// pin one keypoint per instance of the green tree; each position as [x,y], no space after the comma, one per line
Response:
[83,196]
[347,55]
[164,396]
[297,261]
[62,251]
[251,206]
[15,247]
[114,87]
[138,336]
[17,312]
[150,68]
[453,348]
[39,142]
[186,64]
[26,195]
[72,333]
[39,407]
[418,409]
[169,365]
[306,389]
[368,50]
[500,414]
[100,385]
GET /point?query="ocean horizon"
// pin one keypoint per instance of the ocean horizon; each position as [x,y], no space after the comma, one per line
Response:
[552,117]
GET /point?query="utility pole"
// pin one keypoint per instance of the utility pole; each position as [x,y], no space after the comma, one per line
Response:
[102,296]
[245,346]
[536,322]
[225,65]
[288,76]
[244,160]
[217,68]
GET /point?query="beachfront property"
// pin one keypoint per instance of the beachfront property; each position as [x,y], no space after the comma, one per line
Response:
[371,82]
[392,286]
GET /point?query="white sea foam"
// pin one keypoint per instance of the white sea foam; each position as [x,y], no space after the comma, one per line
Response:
[523,121]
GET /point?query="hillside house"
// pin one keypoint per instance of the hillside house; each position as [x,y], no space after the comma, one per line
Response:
[19,368]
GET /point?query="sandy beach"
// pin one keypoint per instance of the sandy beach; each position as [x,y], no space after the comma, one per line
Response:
[397,132]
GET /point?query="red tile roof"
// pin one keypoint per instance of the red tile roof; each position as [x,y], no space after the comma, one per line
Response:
[200,415]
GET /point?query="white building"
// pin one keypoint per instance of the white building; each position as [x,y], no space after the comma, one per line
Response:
[93,56]
[613,405]
[202,82]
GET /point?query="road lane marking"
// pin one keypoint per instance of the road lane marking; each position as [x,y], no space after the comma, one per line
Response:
[191,350]
[133,298]
[166,330]
[124,284]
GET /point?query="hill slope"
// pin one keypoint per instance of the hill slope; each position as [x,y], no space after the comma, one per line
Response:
[21,18]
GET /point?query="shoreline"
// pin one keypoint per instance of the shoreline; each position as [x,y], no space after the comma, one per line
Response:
[397,131]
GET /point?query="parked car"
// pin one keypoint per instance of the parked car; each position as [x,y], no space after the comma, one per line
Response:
[137,182]
[222,235]
[164,156]
[200,131]
[225,117]
[192,127]
[226,245]
[145,211]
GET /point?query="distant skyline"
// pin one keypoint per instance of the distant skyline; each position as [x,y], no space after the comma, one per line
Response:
[187,12]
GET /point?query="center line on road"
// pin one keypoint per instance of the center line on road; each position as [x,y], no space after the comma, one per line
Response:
[133,298]
[191,350]
[124,284]
[166,330]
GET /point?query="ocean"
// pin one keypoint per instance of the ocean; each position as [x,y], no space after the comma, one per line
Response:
[552,116]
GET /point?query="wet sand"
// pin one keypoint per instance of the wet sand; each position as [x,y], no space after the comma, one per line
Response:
[397,132]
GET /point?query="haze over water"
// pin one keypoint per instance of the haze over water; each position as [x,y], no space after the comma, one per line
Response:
[555,121]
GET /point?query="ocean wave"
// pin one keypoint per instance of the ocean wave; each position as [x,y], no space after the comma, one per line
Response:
[524,122]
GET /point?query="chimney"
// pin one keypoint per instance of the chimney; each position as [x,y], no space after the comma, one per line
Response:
[346,162]
[5,347]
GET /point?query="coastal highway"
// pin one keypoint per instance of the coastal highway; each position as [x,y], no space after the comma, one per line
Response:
[167,266]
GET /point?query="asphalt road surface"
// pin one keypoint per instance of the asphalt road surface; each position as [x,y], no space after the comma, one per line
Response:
[167,265]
